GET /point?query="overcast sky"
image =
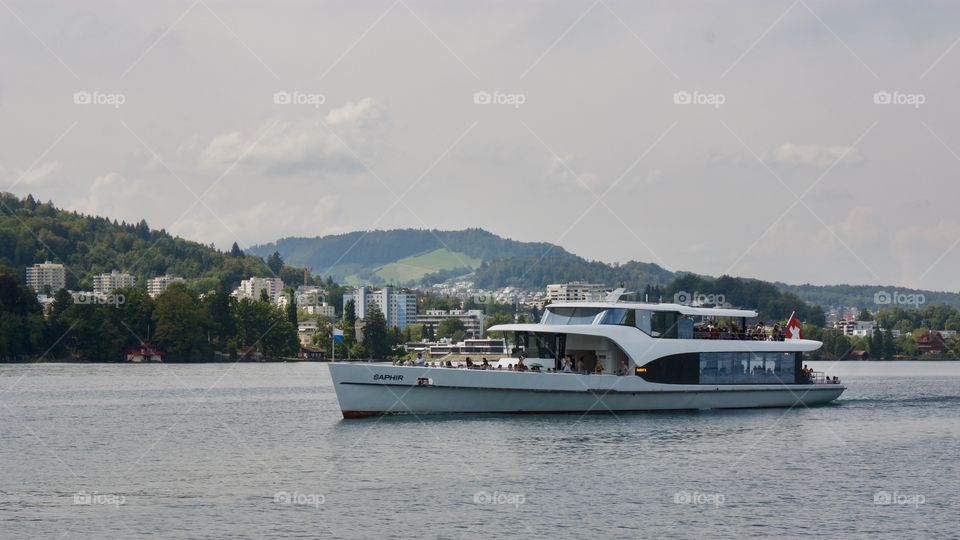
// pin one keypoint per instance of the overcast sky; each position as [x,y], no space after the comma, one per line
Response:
[783,166]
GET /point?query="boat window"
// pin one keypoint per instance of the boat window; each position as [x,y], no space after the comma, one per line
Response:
[747,367]
[558,315]
[569,315]
[614,316]
[663,324]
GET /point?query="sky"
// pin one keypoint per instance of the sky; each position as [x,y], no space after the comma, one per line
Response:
[797,141]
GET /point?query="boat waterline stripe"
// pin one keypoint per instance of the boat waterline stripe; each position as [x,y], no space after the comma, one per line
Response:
[601,392]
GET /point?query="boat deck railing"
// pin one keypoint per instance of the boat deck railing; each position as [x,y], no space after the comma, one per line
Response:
[741,336]
[818,377]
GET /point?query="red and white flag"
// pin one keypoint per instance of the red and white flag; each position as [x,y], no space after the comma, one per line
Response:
[794,330]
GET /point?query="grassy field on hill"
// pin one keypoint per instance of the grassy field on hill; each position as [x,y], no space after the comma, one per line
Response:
[415,267]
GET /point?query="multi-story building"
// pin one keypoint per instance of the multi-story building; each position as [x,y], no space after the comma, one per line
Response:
[47,277]
[472,320]
[105,283]
[156,286]
[253,288]
[852,328]
[576,291]
[398,308]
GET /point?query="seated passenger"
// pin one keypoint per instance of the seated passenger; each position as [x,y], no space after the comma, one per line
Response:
[484,364]
[598,368]
[567,365]
[469,363]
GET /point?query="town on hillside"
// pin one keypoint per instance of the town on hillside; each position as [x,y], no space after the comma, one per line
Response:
[263,318]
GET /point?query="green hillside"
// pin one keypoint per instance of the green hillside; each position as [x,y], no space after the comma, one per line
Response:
[378,257]
[414,268]
[33,232]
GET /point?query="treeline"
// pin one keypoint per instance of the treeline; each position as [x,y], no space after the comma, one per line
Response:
[862,296]
[187,327]
[771,303]
[532,272]
[33,232]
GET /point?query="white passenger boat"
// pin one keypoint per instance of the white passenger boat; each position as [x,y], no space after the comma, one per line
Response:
[628,356]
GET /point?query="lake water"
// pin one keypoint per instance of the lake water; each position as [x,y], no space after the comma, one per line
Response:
[260,451]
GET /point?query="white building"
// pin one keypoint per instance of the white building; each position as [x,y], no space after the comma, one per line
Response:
[851,328]
[399,308]
[576,291]
[472,320]
[305,332]
[48,275]
[156,286]
[253,288]
[105,283]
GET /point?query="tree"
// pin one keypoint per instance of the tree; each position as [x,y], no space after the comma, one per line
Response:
[21,319]
[452,328]
[292,307]
[181,324]
[864,315]
[377,338]
[218,308]
[349,323]
[889,345]
[235,251]
[275,262]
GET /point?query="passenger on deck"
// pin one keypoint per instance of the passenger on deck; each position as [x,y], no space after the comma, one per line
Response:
[449,364]
[484,364]
[419,358]
[520,365]
[567,365]
[469,363]
[622,370]
[598,368]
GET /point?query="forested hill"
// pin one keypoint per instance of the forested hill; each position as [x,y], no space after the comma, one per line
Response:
[33,232]
[866,296]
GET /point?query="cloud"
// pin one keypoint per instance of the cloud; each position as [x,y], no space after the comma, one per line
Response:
[117,197]
[290,146]
[40,174]
[814,155]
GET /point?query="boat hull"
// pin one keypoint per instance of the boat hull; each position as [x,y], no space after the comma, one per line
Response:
[372,389]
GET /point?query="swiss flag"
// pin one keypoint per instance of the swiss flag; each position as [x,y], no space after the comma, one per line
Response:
[793,330]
